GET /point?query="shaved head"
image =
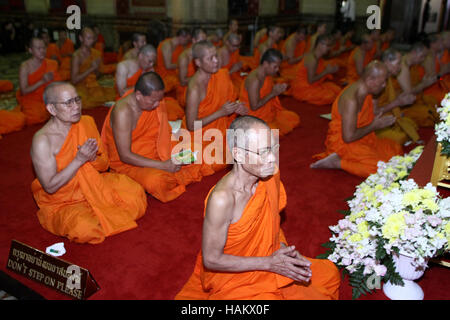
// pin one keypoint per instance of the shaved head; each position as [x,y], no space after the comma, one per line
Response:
[147,49]
[198,49]
[51,91]
[86,30]
[149,82]
[374,69]
[233,37]
[241,127]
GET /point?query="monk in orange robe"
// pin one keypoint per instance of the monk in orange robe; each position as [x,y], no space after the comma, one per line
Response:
[138,40]
[129,71]
[123,49]
[230,59]
[261,95]
[86,66]
[351,142]
[244,254]
[321,29]
[211,103]
[77,199]
[6,86]
[392,97]
[34,75]
[410,79]
[293,50]
[186,66]
[274,35]
[167,56]
[233,27]
[386,39]
[137,135]
[360,57]
[312,83]
[52,49]
[341,49]
[66,49]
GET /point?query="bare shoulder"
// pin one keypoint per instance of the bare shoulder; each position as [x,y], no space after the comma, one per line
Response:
[41,143]
[220,203]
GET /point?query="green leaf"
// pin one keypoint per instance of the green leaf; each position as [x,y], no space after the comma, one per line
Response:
[324,256]
[329,245]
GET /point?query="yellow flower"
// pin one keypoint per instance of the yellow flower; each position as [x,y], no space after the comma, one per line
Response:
[356,237]
[363,229]
[355,216]
[394,226]
[430,205]
[411,198]
[426,194]
[409,159]
[402,174]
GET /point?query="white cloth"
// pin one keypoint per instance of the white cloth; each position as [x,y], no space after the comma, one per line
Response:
[348,9]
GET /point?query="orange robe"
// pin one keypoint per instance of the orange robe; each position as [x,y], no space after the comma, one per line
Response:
[352,73]
[220,90]
[288,71]
[92,205]
[152,139]
[65,66]
[32,104]
[321,92]
[362,156]
[174,111]
[272,112]
[181,90]
[404,129]
[169,77]
[53,50]
[89,89]
[11,121]
[258,234]
[6,86]
[440,88]
[235,76]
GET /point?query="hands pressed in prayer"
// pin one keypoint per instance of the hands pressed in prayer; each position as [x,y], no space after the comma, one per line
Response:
[289,263]
[279,88]
[405,99]
[88,151]
[381,122]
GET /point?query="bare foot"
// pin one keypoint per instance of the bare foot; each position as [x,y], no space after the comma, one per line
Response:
[333,161]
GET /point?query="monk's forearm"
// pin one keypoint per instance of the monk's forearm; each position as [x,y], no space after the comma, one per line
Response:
[206,120]
[140,161]
[357,134]
[317,77]
[295,60]
[262,102]
[230,263]
[77,78]
[32,88]
[61,178]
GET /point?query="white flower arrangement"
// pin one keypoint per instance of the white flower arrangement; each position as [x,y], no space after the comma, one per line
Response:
[389,214]
[442,128]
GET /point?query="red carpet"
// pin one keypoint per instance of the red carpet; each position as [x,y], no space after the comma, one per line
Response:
[154,260]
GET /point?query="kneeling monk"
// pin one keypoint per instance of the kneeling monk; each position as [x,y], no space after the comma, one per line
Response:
[351,143]
[75,199]
[260,94]
[244,253]
[137,134]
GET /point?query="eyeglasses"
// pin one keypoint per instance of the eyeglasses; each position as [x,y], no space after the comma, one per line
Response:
[68,103]
[264,154]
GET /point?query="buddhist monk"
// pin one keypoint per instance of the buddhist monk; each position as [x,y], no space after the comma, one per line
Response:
[360,57]
[404,129]
[129,71]
[137,135]
[351,142]
[233,27]
[260,37]
[186,66]
[274,35]
[340,51]
[52,48]
[434,67]
[167,56]
[375,35]
[77,198]
[386,39]
[312,83]
[86,66]
[320,30]
[66,50]
[211,101]
[293,50]
[229,59]
[261,95]
[244,253]
[423,111]
[138,40]
[34,75]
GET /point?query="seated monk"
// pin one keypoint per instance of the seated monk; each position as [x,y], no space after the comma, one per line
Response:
[433,66]
[211,101]
[244,253]
[138,40]
[216,38]
[52,48]
[129,71]
[360,57]
[274,35]
[321,29]
[386,39]
[351,142]
[423,111]
[312,81]
[34,75]
[233,27]
[293,50]
[229,59]
[375,52]
[186,66]
[86,66]
[261,94]
[340,50]
[404,129]
[260,37]
[137,135]
[167,56]
[66,50]
[77,198]
[123,49]
[6,86]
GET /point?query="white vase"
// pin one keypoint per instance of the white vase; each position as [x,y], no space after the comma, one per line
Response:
[409,273]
